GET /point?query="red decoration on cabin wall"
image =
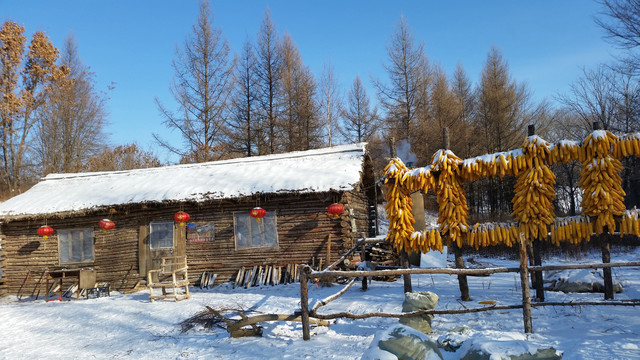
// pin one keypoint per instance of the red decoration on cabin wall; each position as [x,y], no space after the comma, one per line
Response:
[106,224]
[181,217]
[335,210]
[45,231]
[258,213]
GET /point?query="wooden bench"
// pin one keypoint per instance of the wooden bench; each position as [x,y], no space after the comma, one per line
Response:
[171,278]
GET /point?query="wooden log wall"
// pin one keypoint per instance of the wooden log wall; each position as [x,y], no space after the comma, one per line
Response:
[304,228]
[23,251]
[303,232]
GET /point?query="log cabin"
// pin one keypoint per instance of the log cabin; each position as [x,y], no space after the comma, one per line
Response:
[295,190]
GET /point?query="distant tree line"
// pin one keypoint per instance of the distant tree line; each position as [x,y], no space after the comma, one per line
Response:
[265,100]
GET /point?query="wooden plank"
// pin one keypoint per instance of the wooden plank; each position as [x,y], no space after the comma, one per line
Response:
[202,279]
[239,277]
[26,278]
[180,239]
[143,249]
[247,278]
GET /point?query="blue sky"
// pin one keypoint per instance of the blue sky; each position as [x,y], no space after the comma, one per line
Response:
[132,43]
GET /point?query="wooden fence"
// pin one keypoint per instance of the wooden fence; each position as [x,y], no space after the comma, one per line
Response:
[307,273]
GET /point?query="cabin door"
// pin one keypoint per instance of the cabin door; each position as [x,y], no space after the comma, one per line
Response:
[158,240]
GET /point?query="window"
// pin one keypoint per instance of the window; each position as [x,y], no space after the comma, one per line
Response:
[251,233]
[76,246]
[161,235]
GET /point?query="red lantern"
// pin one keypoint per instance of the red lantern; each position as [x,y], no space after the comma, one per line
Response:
[106,224]
[258,213]
[335,210]
[181,217]
[45,231]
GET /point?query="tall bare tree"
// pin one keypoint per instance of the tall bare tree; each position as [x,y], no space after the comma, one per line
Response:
[502,105]
[25,81]
[203,80]
[330,101]
[446,111]
[593,97]
[465,97]
[244,124]
[405,96]
[71,123]
[269,62]
[360,120]
[308,119]
[300,126]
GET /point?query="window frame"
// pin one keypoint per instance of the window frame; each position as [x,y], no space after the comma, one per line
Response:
[63,236]
[173,235]
[270,219]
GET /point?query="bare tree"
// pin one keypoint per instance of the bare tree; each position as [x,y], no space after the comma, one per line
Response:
[446,111]
[330,100]
[593,97]
[627,92]
[71,123]
[123,157]
[244,124]
[360,120]
[269,61]
[25,81]
[465,97]
[202,85]
[300,126]
[308,120]
[408,70]
[502,105]
[621,21]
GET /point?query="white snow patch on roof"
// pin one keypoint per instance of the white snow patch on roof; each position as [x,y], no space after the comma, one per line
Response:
[335,168]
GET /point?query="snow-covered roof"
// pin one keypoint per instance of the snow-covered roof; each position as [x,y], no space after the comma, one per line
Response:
[336,168]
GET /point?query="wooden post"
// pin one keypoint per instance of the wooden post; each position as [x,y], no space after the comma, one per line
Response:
[304,303]
[537,261]
[329,250]
[462,279]
[536,276]
[605,247]
[404,262]
[524,282]
[363,256]
[457,251]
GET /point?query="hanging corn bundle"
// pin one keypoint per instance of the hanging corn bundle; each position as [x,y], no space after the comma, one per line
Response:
[452,201]
[600,181]
[630,223]
[627,145]
[564,152]
[534,190]
[574,229]
[398,205]
[498,164]
[426,240]
[492,234]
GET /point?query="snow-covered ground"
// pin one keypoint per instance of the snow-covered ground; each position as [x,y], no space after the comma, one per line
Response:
[131,327]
